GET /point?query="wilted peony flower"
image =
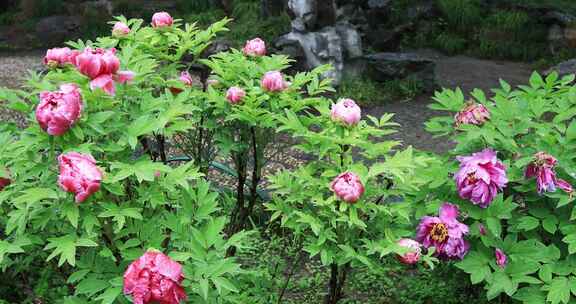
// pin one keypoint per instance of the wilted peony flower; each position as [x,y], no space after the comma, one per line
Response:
[480,177]
[273,82]
[59,110]
[346,111]
[445,233]
[79,175]
[413,255]
[162,19]
[102,67]
[4,178]
[501,258]
[120,29]
[235,95]
[542,167]
[255,47]
[154,278]
[58,57]
[348,187]
[473,114]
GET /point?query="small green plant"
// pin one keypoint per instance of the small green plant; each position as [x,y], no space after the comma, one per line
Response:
[450,43]
[462,15]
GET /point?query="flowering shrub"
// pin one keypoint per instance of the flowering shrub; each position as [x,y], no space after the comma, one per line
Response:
[86,187]
[512,186]
[347,213]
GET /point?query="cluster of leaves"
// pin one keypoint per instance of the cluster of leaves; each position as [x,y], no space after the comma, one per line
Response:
[536,231]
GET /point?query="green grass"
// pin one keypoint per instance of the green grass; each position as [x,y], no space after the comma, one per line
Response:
[367,92]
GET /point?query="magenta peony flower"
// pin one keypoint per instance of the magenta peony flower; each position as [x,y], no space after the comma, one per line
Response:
[254,47]
[120,29]
[58,111]
[162,19]
[445,233]
[501,258]
[480,177]
[413,255]
[273,82]
[79,175]
[346,111]
[542,167]
[473,114]
[348,187]
[235,95]
[58,57]
[102,67]
[154,278]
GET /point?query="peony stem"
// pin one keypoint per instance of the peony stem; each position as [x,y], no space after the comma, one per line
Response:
[51,155]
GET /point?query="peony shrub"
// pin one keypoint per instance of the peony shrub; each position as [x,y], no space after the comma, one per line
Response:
[510,174]
[348,206]
[87,190]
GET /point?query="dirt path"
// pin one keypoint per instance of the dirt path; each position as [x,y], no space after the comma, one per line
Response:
[459,71]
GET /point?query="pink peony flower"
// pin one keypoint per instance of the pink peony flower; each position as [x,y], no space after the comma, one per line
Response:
[120,29]
[102,67]
[473,114]
[348,187]
[542,167]
[162,19]
[58,57]
[58,111]
[273,82]
[445,233]
[186,79]
[501,258]
[235,95]
[346,111]
[480,177]
[79,175]
[255,47]
[413,255]
[154,278]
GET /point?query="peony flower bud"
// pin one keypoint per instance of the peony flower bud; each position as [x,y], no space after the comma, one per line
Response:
[186,79]
[480,177]
[501,258]
[413,255]
[154,278]
[120,29]
[79,175]
[162,19]
[482,229]
[59,110]
[235,95]
[346,111]
[58,57]
[348,187]
[254,47]
[473,114]
[273,82]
